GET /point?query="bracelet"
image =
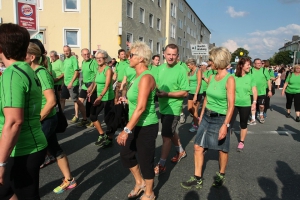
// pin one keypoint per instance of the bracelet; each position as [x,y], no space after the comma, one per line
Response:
[254,102]
[3,164]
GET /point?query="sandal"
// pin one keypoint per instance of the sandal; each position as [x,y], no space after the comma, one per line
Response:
[151,197]
[134,194]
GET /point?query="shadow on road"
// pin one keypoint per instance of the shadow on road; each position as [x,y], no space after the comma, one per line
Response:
[221,193]
[192,195]
[295,136]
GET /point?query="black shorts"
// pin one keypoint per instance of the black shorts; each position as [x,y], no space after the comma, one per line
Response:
[191,97]
[260,100]
[83,94]
[57,88]
[169,124]
[67,93]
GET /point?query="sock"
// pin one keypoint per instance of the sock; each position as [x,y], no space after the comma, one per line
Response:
[222,174]
[179,149]
[162,162]
[70,179]
[242,141]
[253,117]
[261,113]
[198,177]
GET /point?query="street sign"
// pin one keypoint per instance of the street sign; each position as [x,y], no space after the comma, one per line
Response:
[199,49]
[27,15]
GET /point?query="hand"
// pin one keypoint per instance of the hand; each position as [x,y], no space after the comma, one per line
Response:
[195,99]
[56,79]
[270,94]
[200,119]
[222,132]
[162,94]
[122,100]
[69,86]
[253,106]
[122,137]
[97,101]
[282,93]
[2,171]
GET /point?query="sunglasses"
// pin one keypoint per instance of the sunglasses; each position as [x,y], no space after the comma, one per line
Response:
[132,54]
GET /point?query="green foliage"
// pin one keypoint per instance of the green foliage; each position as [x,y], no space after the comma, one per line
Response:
[245,53]
[283,57]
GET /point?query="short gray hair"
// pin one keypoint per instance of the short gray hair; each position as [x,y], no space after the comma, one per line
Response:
[142,51]
[104,53]
[191,61]
[54,52]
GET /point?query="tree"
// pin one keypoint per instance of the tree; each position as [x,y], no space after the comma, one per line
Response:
[240,52]
[283,57]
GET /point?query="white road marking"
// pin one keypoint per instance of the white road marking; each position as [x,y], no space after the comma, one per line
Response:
[269,132]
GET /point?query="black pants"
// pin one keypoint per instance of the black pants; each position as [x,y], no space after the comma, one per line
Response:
[267,101]
[244,113]
[289,101]
[95,110]
[22,177]
[142,142]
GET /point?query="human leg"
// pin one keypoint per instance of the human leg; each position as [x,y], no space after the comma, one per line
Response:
[288,105]
[297,106]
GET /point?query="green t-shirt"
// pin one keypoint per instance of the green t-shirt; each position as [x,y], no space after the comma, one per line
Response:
[70,66]
[89,69]
[100,81]
[271,74]
[193,81]
[216,95]
[243,90]
[172,79]
[293,86]
[57,70]
[20,88]
[260,76]
[120,69]
[47,83]
[49,65]
[130,74]
[207,74]
[149,116]
[184,66]
[154,71]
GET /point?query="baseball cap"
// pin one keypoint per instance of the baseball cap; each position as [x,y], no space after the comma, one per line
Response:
[204,63]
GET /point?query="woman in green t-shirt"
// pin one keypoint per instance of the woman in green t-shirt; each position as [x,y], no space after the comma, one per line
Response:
[217,110]
[291,89]
[195,93]
[140,133]
[244,86]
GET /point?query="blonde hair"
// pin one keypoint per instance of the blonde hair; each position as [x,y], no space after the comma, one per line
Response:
[296,66]
[191,61]
[35,50]
[142,51]
[220,56]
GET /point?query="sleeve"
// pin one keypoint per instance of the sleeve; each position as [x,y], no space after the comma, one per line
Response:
[253,82]
[184,81]
[267,74]
[94,66]
[61,67]
[75,64]
[45,80]
[288,78]
[13,89]
[117,68]
[272,74]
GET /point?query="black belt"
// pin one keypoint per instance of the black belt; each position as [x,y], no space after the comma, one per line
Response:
[211,113]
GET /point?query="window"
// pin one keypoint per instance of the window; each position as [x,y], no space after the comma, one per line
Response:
[129,37]
[173,30]
[188,30]
[158,24]
[40,36]
[184,34]
[173,10]
[158,48]
[180,24]
[141,39]
[40,4]
[179,41]
[129,9]
[72,37]
[151,20]
[159,3]
[181,6]
[142,15]
[187,44]
[71,5]
[184,20]
[151,45]
[189,15]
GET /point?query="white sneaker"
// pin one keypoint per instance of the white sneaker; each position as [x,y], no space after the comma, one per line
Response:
[182,118]
[193,129]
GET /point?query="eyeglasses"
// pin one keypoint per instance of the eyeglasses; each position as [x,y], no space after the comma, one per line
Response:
[210,60]
[262,63]
[132,54]
[99,58]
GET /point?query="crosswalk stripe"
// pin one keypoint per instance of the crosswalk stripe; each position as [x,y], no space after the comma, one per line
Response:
[269,132]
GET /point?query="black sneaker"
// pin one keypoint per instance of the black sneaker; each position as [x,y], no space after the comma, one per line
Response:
[219,180]
[101,140]
[192,182]
[297,119]
[107,143]
[288,115]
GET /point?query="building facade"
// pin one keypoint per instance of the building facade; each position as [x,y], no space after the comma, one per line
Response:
[111,24]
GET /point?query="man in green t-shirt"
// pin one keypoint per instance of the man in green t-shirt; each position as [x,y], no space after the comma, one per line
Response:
[119,74]
[70,88]
[173,86]
[57,71]
[89,69]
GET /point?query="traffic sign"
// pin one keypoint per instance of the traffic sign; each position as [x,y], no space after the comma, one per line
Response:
[199,49]
[27,15]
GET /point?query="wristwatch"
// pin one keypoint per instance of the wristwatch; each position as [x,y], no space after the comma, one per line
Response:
[227,125]
[127,130]
[3,164]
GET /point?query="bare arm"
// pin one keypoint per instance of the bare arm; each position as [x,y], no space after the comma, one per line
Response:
[124,81]
[108,75]
[50,103]
[75,76]
[199,81]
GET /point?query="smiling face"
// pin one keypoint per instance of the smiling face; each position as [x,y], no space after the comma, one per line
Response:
[171,56]
[246,67]
[100,59]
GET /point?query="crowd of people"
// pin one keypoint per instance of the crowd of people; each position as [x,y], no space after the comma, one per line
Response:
[32,85]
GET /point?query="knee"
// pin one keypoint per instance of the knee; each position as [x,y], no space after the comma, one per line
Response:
[93,118]
[198,149]
[166,140]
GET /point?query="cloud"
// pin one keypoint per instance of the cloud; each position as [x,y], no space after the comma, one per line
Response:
[290,29]
[289,1]
[231,45]
[234,13]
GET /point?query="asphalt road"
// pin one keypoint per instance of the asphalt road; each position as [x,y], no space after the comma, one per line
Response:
[268,168]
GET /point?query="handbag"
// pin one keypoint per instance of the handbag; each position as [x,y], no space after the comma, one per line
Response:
[62,122]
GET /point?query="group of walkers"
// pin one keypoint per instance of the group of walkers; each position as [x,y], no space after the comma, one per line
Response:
[30,89]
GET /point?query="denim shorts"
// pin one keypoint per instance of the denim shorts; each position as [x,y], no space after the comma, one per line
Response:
[208,133]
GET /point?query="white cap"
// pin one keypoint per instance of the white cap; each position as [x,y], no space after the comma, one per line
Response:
[204,63]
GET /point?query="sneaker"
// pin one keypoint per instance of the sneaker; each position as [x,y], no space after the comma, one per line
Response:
[193,129]
[83,123]
[252,122]
[46,162]
[240,147]
[219,180]
[192,182]
[262,120]
[90,125]
[182,118]
[65,186]
[159,169]
[265,115]
[107,143]
[297,119]
[288,115]
[74,120]
[178,157]
[101,140]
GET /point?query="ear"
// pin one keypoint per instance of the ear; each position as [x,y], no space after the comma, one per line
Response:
[32,57]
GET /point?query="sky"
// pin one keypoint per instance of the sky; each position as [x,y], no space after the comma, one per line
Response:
[259,26]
